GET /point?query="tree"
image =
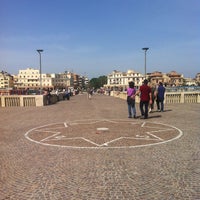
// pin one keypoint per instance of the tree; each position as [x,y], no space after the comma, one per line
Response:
[98,82]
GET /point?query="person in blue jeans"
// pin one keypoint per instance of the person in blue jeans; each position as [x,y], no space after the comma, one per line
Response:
[145,99]
[131,100]
[160,97]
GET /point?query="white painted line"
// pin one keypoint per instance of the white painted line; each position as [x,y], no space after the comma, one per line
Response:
[156,127]
[90,142]
[49,137]
[102,129]
[143,138]
[60,137]
[140,136]
[143,124]
[41,130]
[65,124]
[112,141]
[162,130]
[155,136]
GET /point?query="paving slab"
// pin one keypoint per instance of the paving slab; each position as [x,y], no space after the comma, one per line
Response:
[89,149]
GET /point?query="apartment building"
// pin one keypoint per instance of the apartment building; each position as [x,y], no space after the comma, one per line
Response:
[62,80]
[47,81]
[197,78]
[175,79]
[171,79]
[28,78]
[119,80]
[156,77]
[6,80]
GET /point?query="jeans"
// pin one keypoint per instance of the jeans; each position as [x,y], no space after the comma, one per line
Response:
[160,105]
[131,109]
[144,108]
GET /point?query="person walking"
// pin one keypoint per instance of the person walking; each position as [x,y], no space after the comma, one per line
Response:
[89,93]
[145,99]
[160,97]
[131,91]
[153,96]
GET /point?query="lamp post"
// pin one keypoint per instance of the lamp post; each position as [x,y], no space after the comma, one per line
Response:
[40,51]
[145,67]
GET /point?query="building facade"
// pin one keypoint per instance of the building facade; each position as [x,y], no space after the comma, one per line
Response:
[28,78]
[197,78]
[175,79]
[118,80]
[6,80]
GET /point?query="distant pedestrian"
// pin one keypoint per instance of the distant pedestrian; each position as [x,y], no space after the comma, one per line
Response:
[48,96]
[160,97]
[89,93]
[131,91]
[67,94]
[145,99]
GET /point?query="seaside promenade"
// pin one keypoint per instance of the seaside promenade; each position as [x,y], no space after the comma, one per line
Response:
[89,150]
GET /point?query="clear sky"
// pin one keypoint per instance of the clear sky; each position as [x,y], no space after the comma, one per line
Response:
[95,37]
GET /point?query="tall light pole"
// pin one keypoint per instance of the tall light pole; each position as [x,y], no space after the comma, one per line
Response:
[40,51]
[145,67]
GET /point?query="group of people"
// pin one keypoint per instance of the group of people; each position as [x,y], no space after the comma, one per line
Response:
[148,95]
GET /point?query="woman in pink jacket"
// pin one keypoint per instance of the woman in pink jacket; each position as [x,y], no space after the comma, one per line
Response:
[131,100]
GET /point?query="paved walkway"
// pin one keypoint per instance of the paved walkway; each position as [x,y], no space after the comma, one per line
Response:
[89,150]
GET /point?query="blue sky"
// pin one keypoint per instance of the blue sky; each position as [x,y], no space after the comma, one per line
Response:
[95,37]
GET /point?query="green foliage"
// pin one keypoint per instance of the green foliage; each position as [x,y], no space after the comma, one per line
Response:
[98,82]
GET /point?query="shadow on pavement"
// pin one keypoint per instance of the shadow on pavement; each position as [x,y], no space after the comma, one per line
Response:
[155,116]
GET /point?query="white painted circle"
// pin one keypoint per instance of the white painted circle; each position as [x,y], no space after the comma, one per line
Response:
[112,133]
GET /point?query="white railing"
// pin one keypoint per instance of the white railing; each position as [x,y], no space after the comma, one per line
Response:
[41,100]
[21,100]
[170,97]
[27,100]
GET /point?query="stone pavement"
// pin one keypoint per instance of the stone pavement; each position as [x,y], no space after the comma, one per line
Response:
[89,150]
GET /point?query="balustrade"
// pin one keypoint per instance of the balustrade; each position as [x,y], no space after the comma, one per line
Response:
[41,100]
[170,97]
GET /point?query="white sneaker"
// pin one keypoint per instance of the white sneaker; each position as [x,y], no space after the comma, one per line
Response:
[149,110]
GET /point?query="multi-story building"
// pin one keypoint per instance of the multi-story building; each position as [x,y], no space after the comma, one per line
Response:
[156,77]
[190,82]
[86,81]
[70,77]
[62,80]
[28,78]
[47,81]
[6,80]
[175,79]
[76,80]
[120,80]
[197,78]
[171,79]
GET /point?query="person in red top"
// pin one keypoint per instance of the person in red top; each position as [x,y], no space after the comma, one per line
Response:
[145,99]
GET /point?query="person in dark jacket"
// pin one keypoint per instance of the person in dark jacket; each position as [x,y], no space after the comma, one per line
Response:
[160,97]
